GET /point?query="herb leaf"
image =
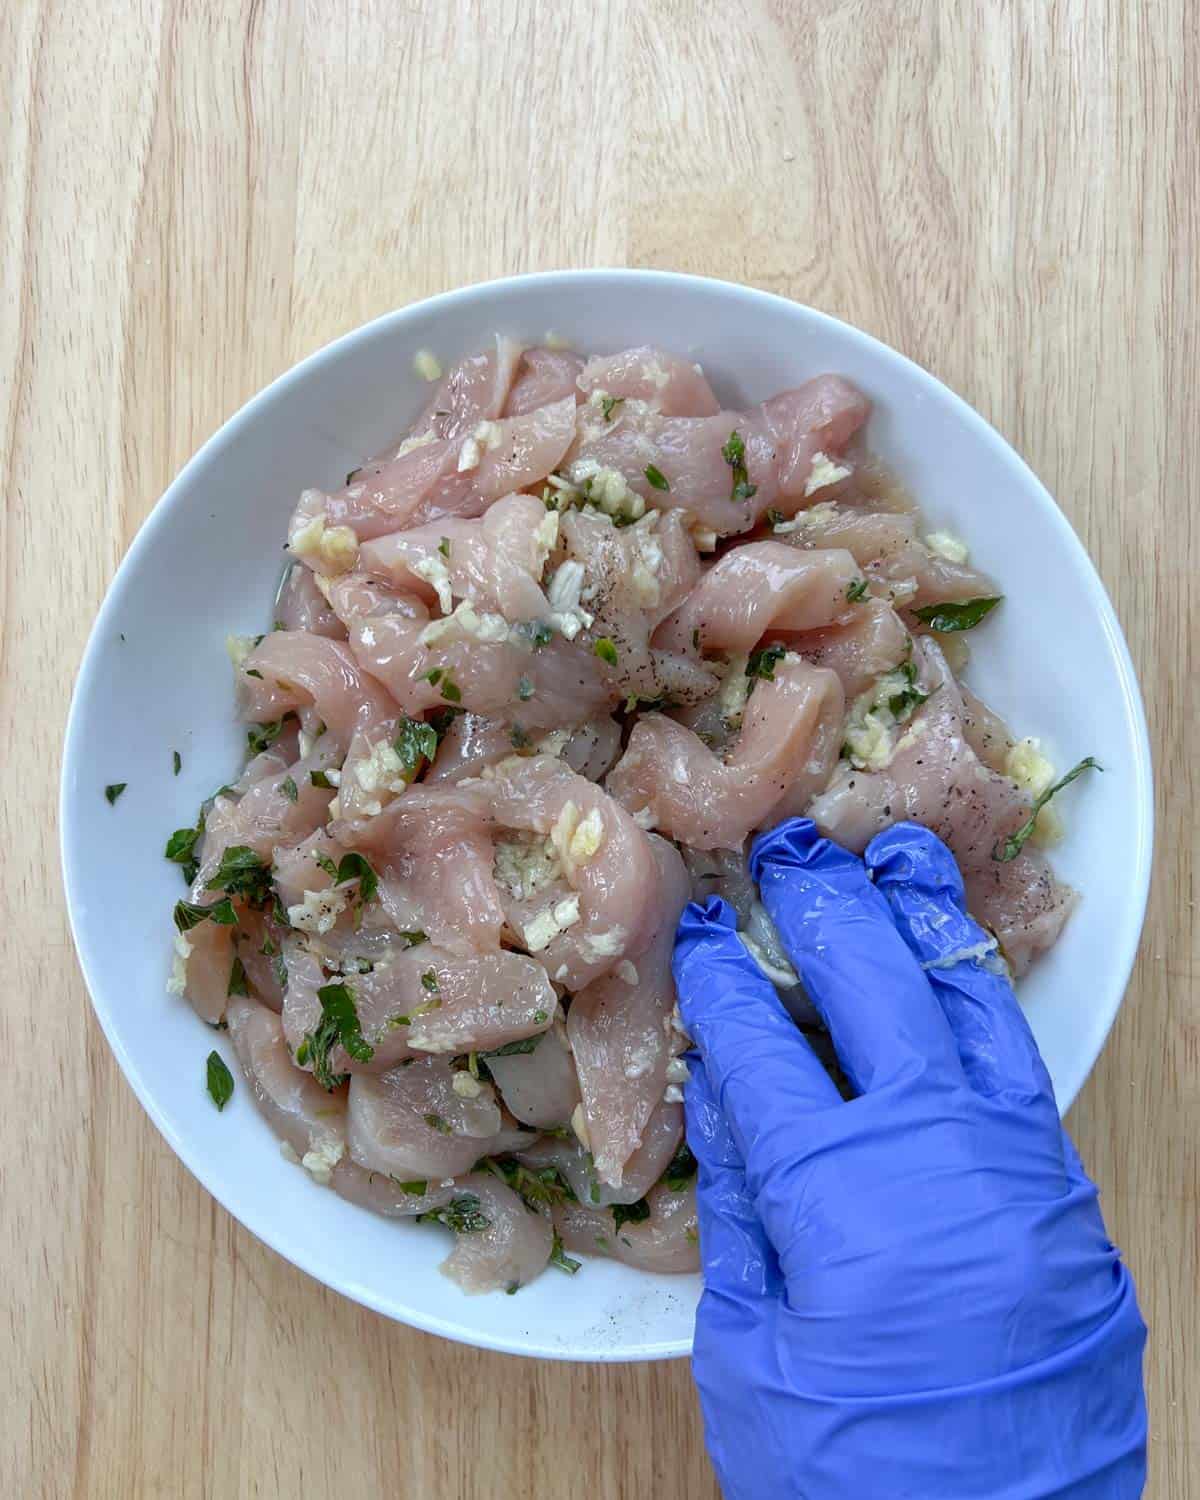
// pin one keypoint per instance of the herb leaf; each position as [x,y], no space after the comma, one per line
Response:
[656,477]
[435,1122]
[319,778]
[734,454]
[609,404]
[417,1188]
[416,741]
[353,866]
[189,914]
[177,761]
[514,1049]
[462,1214]
[1011,847]
[339,1023]
[962,616]
[560,1258]
[260,737]
[220,1080]
[237,979]
[114,791]
[243,872]
[630,1213]
[763,662]
[606,650]
[289,789]
[181,846]
[451,690]
[524,689]
[680,1169]
[444,546]
[857,591]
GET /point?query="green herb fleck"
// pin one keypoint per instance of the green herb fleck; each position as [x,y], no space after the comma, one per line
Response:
[1013,846]
[462,1214]
[451,690]
[319,778]
[412,939]
[560,1258]
[113,791]
[324,862]
[181,846]
[435,1122]
[763,662]
[289,789]
[354,866]
[444,546]
[524,689]
[237,979]
[606,650]
[775,517]
[417,1188]
[696,639]
[609,404]
[519,738]
[540,1017]
[189,914]
[630,1213]
[220,1080]
[857,591]
[692,1236]
[243,872]
[260,737]
[734,454]
[540,1187]
[513,1049]
[656,477]
[434,676]
[415,741]
[254,672]
[177,761]
[680,1169]
[950,617]
[339,1023]
[901,704]
[429,981]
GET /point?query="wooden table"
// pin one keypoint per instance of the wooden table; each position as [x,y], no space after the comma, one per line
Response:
[197,194]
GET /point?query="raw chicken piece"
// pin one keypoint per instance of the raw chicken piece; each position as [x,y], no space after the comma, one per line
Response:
[496,561]
[510,1252]
[298,669]
[591,748]
[761,588]
[302,606]
[667,384]
[440,477]
[543,376]
[258,942]
[435,843]
[1023,904]
[889,551]
[660,1138]
[986,732]
[354,596]
[540,1087]
[620,1030]
[721,872]
[789,744]
[384,1195]
[559,682]
[207,964]
[872,641]
[474,390]
[633,577]
[472,742]
[668,1241]
[606,859]
[411,1124]
[782,437]
[298,1110]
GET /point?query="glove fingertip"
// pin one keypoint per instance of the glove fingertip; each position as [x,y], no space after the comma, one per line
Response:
[907,854]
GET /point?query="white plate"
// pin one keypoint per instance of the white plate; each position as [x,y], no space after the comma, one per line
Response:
[155,678]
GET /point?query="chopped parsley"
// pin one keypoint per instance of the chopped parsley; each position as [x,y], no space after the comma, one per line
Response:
[434,676]
[538,633]
[630,1213]
[339,1023]
[429,981]
[513,1049]
[289,789]
[540,1187]
[910,697]
[540,1017]
[113,791]
[734,454]
[560,1258]
[1011,847]
[857,591]
[319,778]
[606,650]
[609,404]
[656,477]
[324,862]
[237,979]
[524,689]
[462,1214]
[451,690]
[763,662]
[413,938]
[354,866]
[435,1122]
[189,914]
[415,741]
[417,1188]
[220,1080]
[962,616]
[444,546]
[260,737]
[177,761]
[519,739]
[775,518]
[680,1169]
[181,850]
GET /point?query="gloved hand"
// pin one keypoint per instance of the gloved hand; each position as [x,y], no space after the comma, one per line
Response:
[910,1294]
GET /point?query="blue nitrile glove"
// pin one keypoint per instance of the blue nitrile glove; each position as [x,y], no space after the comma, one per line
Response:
[911,1294]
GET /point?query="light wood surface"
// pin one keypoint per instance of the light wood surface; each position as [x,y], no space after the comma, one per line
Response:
[194,196]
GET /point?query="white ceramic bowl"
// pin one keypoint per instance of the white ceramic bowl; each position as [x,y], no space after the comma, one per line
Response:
[155,678]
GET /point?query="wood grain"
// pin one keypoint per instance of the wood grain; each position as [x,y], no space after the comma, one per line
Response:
[195,195]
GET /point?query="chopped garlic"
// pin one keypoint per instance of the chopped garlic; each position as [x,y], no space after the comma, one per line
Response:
[587,838]
[411,444]
[605,944]
[177,984]
[469,455]
[381,768]
[319,910]
[808,520]
[1034,773]
[552,340]
[466,621]
[238,648]
[545,539]
[785,978]
[566,613]
[435,572]
[580,1127]
[626,972]
[704,537]
[648,561]
[334,547]
[824,472]
[644,818]
[427,365]
[677,1071]
[548,924]
[735,689]
[523,867]
[672,1094]
[465,1086]
[946,544]
[320,1161]
[607,489]
[488,435]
